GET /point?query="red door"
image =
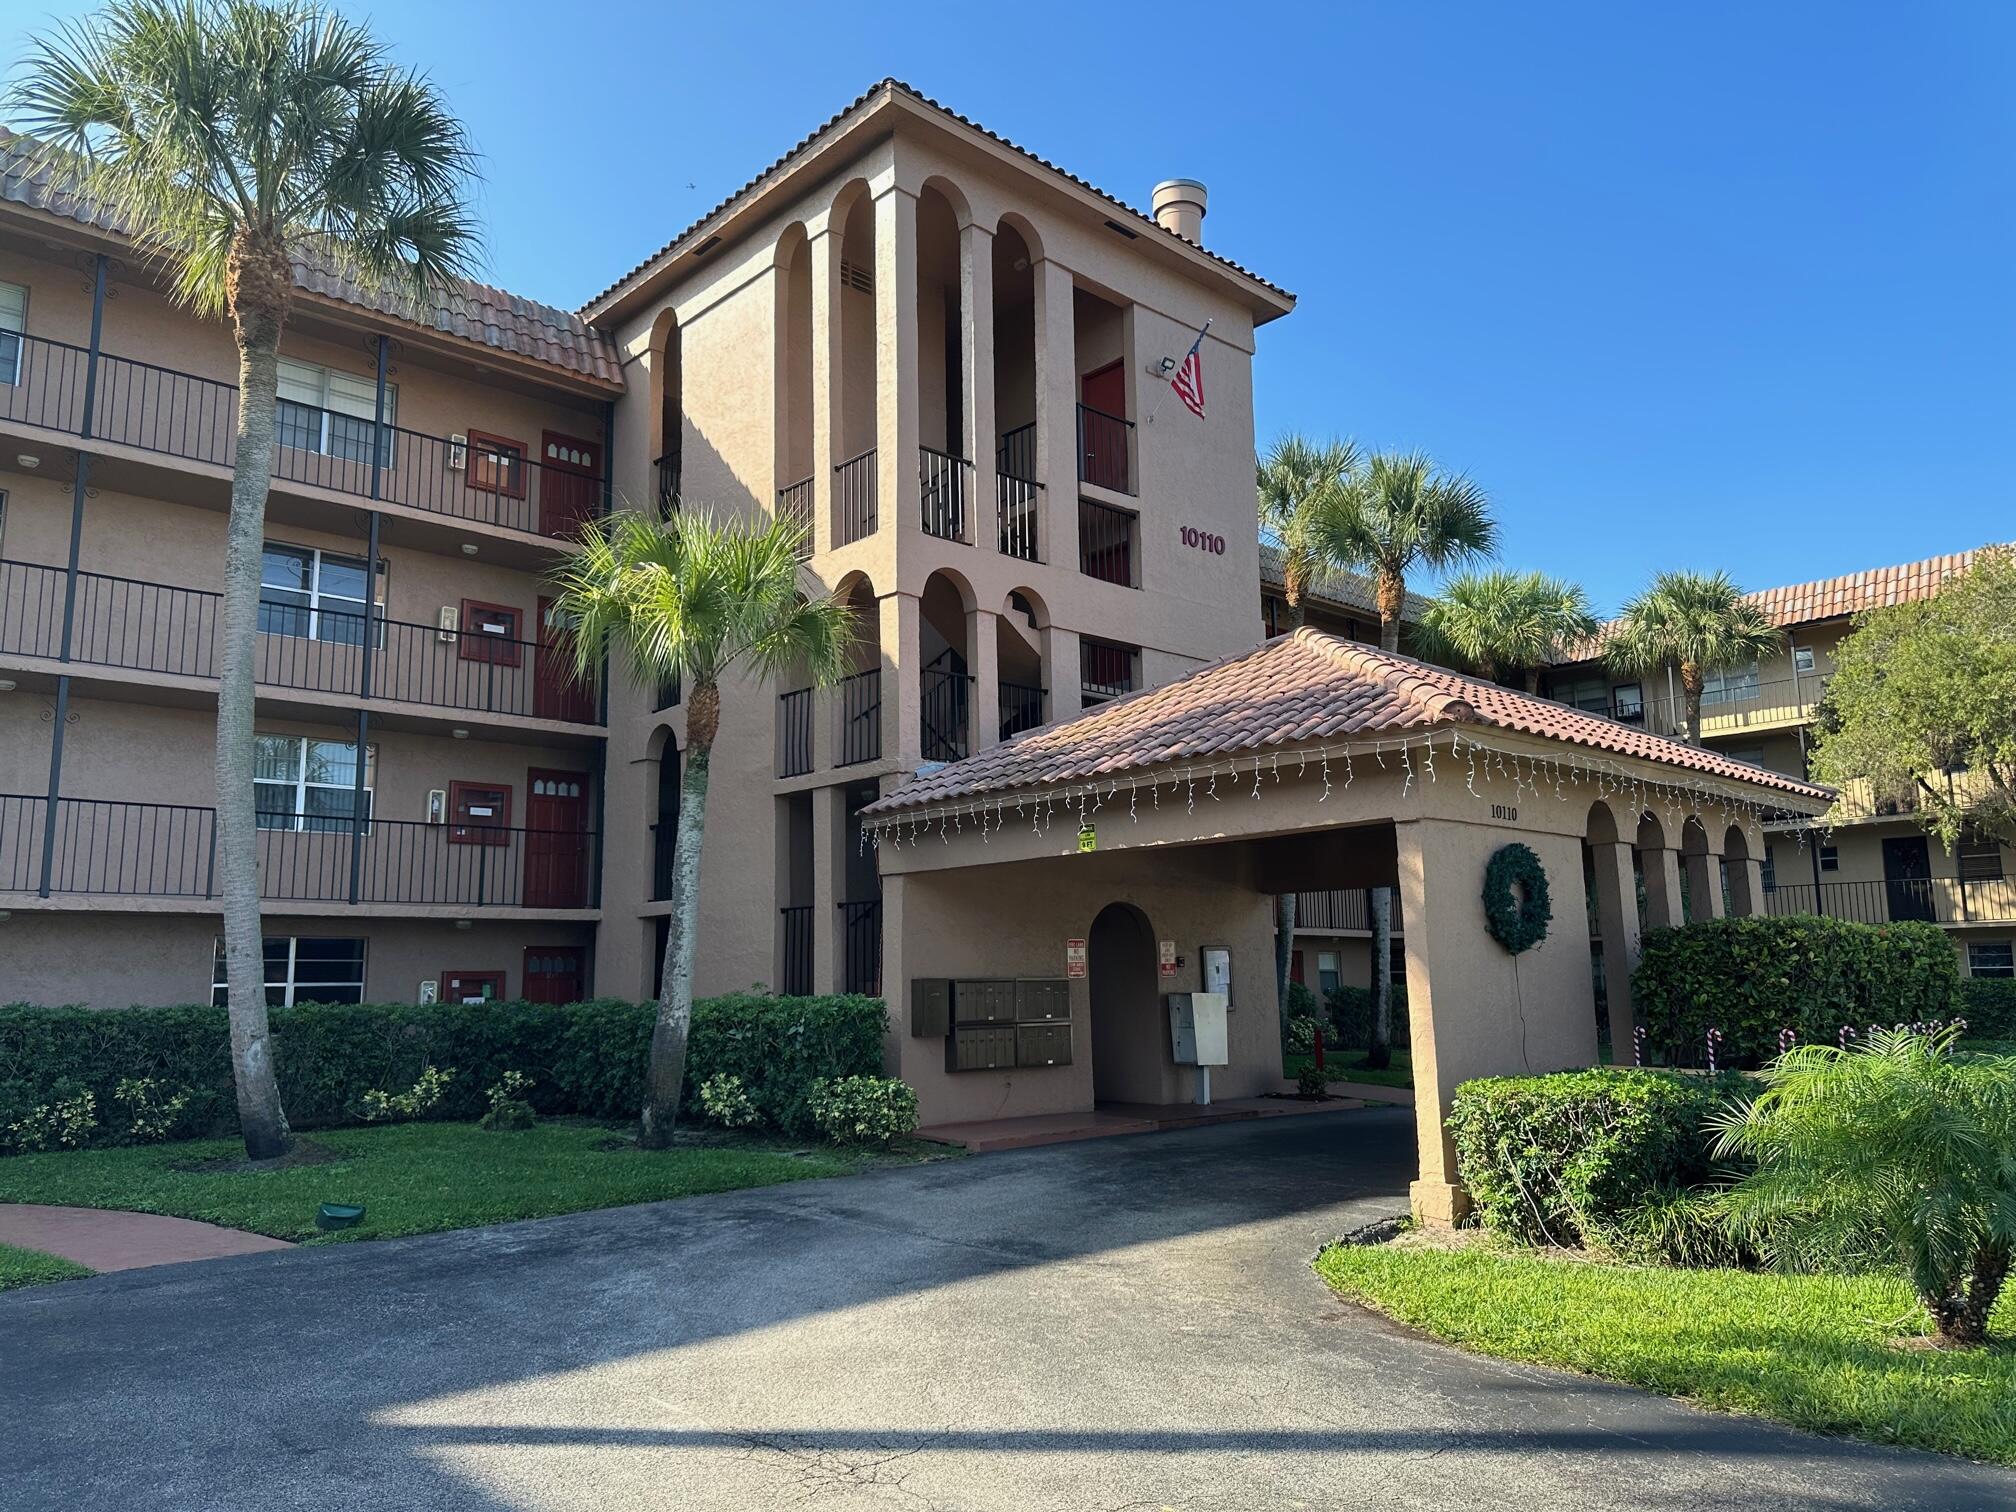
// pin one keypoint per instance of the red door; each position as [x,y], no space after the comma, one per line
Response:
[1102,428]
[570,483]
[556,839]
[556,692]
[554,974]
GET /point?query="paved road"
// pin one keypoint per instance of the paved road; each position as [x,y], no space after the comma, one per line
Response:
[1124,1324]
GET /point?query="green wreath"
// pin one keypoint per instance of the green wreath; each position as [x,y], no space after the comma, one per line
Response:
[1514,924]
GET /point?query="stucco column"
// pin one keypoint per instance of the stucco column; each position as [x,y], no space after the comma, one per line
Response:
[1746,886]
[1475,1009]
[829,872]
[1662,887]
[897,427]
[827,330]
[1056,418]
[896,985]
[1704,884]
[902,693]
[976,382]
[1062,674]
[982,634]
[1617,925]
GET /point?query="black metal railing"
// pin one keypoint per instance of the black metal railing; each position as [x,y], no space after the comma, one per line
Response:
[857,703]
[166,850]
[794,503]
[1021,708]
[152,627]
[1106,543]
[1332,909]
[861,947]
[1105,450]
[1017,506]
[854,499]
[794,733]
[182,415]
[1015,456]
[1107,669]
[795,930]
[667,469]
[944,482]
[1933,900]
[944,703]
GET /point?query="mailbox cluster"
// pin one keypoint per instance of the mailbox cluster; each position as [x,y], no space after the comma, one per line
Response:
[994,1023]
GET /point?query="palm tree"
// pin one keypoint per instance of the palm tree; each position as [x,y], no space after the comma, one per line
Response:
[1498,621]
[1694,623]
[1298,481]
[696,599]
[234,140]
[1398,512]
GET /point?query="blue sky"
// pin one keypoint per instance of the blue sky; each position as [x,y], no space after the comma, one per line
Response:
[1713,285]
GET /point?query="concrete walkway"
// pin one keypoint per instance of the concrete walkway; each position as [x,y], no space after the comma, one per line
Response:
[1116,1323]
[106,1240]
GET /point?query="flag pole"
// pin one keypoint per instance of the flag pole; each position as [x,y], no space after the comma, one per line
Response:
[1169,380]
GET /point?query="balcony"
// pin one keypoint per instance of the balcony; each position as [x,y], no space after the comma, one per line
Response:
[1106,543]
[857,703]
[794,732]
[1021,708]
[1734,707]
[794,927]
[107,848]
[1105,450]
[945,709]
[137,626]
[794,503]
[861,947]
[945,483]
[1931,900]
[854,504]
[194,419]
[1860,803]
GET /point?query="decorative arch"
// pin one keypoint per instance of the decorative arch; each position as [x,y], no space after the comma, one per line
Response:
[1126,1040]
[1020,225]
[952,194]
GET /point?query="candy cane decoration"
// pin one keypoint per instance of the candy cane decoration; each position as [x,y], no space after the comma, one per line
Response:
[1714,1039]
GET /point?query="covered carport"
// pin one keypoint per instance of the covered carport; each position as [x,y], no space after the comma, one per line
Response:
[1132,853]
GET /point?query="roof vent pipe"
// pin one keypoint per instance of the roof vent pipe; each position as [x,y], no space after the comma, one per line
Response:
[1179,207]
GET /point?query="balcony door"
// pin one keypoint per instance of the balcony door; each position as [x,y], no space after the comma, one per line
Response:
[554,974]
[1907,877]
[556,692]
[556,839]
[1102,435]
[570,483]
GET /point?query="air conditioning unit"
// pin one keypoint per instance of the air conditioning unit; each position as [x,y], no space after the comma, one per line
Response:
[451,622]
[458,453]
[437,806]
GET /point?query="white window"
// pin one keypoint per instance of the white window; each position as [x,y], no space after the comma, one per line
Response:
[13,325]
[325,411]
[307,784]
[302,970]
[1992,958]
[1629,703]
[1327,977]
[317,595]
[1729,685]
[1802,658]
[1980,857]
[1830,859]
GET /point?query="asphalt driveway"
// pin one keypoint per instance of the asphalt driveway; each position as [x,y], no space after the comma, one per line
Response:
[1129,1323]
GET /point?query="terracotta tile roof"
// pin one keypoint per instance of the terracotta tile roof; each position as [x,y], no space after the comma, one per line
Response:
[1301,687]
[897,86]
[1350,591]
[473,312]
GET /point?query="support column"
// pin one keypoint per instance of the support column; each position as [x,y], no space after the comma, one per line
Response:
[983,635]
[1056,418]
[827,334]
[897,426]
[896,984]
[1704,884]
[1617,925]
[1662,887]
[829,884]
[976,350]
[1062,674]
[1746,886]
[902,694]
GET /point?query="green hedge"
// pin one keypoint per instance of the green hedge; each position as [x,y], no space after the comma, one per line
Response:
[1568,1158]
[1989,1006]
[584,1058]
[1751,978]
[1349,1011]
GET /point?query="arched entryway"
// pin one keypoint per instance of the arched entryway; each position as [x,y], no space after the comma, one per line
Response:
[1127,1051]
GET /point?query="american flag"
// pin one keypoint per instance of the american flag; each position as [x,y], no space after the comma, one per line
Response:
[1189,379]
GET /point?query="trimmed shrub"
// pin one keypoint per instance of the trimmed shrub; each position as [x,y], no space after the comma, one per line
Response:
[1567,1159]
[1751,978]
[864,1109]
[584,1058]
[1349,1011]
[1989,1006]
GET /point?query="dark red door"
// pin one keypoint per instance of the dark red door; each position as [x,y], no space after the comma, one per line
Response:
[556,692]
[1102,428]
[570,483]
[556,839]
[554,974]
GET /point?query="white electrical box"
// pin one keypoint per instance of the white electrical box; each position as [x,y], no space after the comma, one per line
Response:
[451,621]
[458,453]
[1197,1028]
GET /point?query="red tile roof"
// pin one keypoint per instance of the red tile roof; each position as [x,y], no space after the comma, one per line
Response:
[1340,589]
[473,312]
[1302,687]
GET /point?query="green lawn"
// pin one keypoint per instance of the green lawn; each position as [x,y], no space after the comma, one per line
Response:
[1815,1351]
[26,1267]
[1345,1066]
[413,1178]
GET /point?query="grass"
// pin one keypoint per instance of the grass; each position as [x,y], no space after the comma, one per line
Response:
[417,1178]
[1819,1352]
[1348,1066]
[26,1267]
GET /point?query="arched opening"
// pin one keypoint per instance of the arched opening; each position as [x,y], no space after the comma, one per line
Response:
[668,383]
[665,826]
[1126,1033]
[794,379]
[945,471]
[855,511]
[857,701]
[1018,647]
[1017,478]
[946,657]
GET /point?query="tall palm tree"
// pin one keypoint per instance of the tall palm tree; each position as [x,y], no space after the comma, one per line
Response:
[1694,623]
[1497,621]
[696,599]
[235,139]
[1398,512]
[1298,481]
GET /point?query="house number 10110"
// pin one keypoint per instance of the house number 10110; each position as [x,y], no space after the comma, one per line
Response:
[1203,540]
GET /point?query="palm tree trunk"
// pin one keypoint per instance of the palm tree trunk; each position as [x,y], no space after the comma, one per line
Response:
[1961,1321]
[1691,684]
[1533,681]
[1380,902]
[1392,591]
[261,285]
[666,1074]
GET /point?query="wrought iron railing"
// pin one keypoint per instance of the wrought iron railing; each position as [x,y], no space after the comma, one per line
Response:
[1015,456]
[857,703]
[667,470]
[1107,669]
[794,733]
[854,510]
[794,925]
[1021,708]
[944,482]
[861,947]
[1933,900]
[945,702]
[794,503]
[1106,543]
[153,627]
[1105,450]
[1017,507]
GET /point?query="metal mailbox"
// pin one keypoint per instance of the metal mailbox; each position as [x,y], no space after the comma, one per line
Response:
[1042,999]
[1043,1044]
[980,1047]
[983,1001]
[930,1007]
